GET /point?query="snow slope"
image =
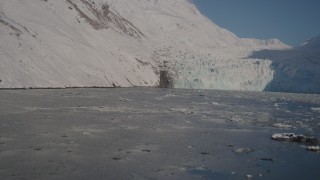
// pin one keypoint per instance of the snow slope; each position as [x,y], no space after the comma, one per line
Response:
[108,43]
[297,69]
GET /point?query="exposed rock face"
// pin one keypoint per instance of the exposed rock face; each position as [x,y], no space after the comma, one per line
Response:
[165,80]
[105,17]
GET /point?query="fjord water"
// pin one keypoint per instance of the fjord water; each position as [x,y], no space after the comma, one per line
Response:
[145,133]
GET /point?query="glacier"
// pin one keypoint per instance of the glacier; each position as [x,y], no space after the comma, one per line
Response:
[120,43]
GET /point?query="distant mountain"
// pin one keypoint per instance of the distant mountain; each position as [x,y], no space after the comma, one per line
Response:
[263,44]
[111,43]
[313,43]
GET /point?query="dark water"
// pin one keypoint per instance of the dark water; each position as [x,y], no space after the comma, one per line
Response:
[146,133]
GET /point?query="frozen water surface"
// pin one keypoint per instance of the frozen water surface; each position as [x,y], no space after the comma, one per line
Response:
[143,133]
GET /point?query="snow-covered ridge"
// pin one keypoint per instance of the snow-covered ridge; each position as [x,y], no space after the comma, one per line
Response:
[266,44]
[313,43]
[107,43]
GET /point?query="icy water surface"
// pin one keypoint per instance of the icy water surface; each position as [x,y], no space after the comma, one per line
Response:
[146,133]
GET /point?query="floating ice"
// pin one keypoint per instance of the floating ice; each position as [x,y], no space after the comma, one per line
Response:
[313,148]
[125,99]
[86,133]
[215,103]
[280,125]
[315,109]
[283,136]
[249,176]
[291,137]
[243,150]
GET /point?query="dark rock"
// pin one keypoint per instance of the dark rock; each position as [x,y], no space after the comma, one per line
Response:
[165,80]
[116,158]
[146,150]
[204,153]
[267,159]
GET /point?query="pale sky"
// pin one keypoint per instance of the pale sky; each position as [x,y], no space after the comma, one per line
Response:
[291,21]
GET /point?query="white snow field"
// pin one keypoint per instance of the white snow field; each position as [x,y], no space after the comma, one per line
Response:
[107,43]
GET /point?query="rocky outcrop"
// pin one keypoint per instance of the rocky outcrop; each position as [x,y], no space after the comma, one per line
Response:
[102,17]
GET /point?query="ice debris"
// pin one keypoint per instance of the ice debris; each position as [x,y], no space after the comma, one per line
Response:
[86,133]
[215,103]
[125,99]
[280,125]
[249,177]
[315,109]
[243,150]
[291,137]
[313,148]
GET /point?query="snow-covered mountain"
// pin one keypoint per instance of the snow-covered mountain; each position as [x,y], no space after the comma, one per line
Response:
[296,69]
[106,43]
[311,44]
